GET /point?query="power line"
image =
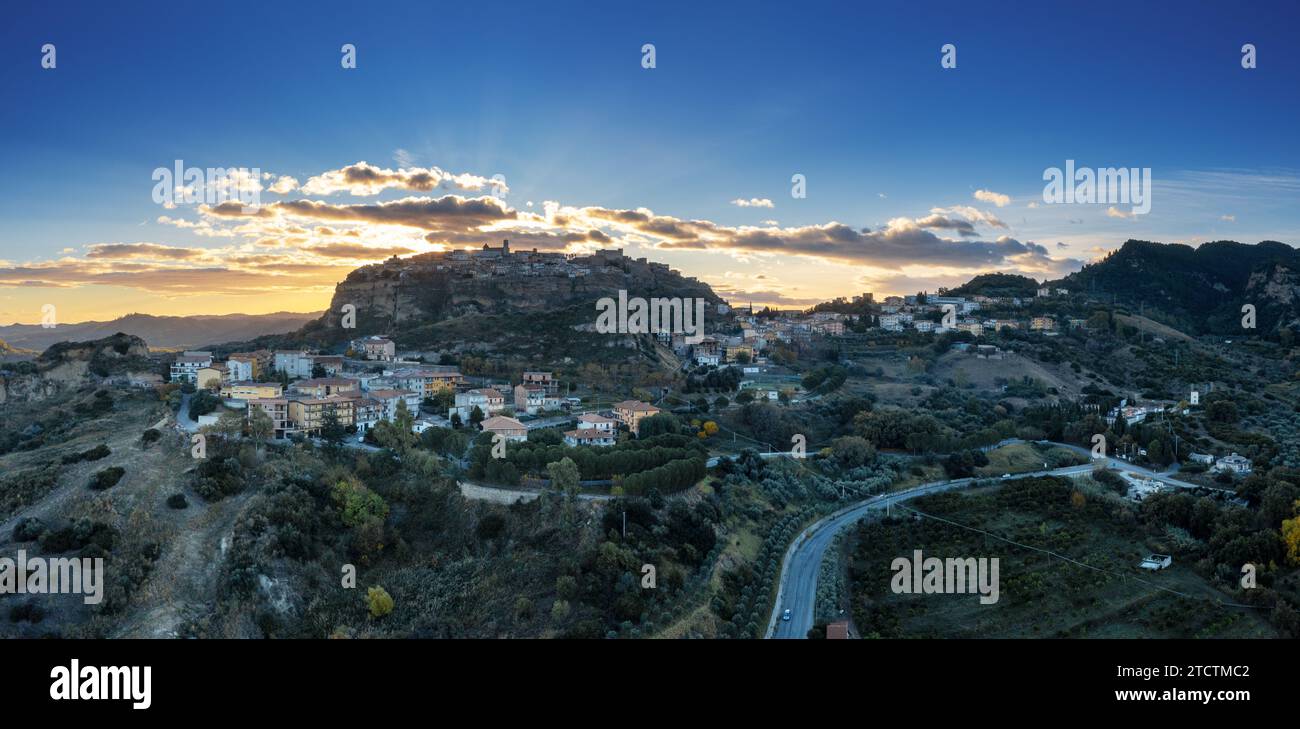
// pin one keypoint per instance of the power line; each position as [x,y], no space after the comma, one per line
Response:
[1103,570]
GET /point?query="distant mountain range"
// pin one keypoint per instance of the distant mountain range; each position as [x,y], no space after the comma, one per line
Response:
[161,332]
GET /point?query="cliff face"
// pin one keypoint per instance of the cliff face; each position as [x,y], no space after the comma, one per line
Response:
[67,364]
[404,294]
[1275,291]
[119,354]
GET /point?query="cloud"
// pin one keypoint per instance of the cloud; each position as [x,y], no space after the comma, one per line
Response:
[995,198]
[753,202]
[941,222]
[121,251]
[416,212]
[284,185]
[307,242]
[1114,212]
[364,179]
[358,251]
[972,214]
[1228,218]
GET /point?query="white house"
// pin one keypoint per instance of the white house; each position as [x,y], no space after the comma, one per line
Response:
[589,437]
[705,358]
[240,369]
[295,364]
[187,365]
[488,400]
[1156,562]
[1235,463]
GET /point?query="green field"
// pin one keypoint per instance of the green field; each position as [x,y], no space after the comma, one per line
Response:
[1039,595]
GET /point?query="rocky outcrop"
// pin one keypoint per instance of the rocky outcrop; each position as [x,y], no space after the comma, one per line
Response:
[408,293]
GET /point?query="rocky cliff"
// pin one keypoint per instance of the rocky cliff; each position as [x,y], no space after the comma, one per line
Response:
[437,299]
[68,364]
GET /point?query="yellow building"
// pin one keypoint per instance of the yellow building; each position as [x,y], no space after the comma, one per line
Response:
[210,375]
[251,390]
[631,412]
[324,386]
[308,414]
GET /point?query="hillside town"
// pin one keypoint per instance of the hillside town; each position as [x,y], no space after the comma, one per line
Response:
[302,390]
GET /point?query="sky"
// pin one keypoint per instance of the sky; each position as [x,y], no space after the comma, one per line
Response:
[914,176]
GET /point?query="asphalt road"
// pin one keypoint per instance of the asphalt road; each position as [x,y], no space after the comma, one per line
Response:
[798,587]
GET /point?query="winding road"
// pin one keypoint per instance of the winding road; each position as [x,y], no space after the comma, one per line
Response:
[797,590]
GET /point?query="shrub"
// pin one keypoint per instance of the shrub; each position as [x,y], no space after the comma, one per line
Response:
[177,501]
[357,503]
[217,478]
[379,602]
[150,436]
[28,529]
[29,611]
[84,533]
[107,478]
[93,454]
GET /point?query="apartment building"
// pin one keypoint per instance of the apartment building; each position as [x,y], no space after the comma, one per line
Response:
[251,390]
[186,366]
[375,348]
[427,381]
[277,408]
[388,400]
[367,412]
[294,363]
[308,414]
[241,368]
[324,386]
[263,363]
[632,412]
[544,380]
[488,400]
[529,398]
[332,364]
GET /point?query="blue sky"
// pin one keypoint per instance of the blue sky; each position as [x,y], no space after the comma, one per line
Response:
[553,97]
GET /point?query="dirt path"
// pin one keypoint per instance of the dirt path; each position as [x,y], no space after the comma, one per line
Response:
[183,584]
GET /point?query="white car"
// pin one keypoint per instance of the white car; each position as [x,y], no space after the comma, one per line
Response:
[785,616]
